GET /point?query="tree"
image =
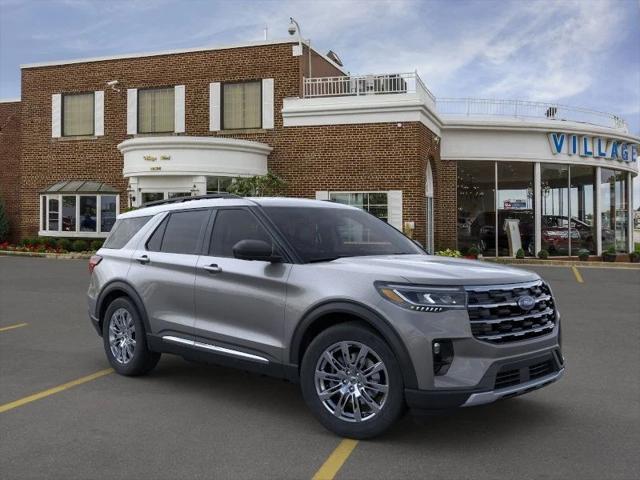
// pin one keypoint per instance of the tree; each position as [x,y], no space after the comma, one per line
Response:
[269,185]
[4,222]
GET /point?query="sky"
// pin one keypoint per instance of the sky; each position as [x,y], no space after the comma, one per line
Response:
[578,52]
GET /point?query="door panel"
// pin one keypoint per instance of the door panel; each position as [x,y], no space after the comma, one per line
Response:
[242,304]
[165,284]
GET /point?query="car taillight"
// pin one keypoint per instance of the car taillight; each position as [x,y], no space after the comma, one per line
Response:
[93,262]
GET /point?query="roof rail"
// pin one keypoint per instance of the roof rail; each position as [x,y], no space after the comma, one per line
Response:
[189,198]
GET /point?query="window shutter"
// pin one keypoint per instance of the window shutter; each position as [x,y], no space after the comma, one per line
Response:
[267,103]
[98,113]
[179,93]
[132,111]
[56,115]
[394,200]
[214,106]
[322,195]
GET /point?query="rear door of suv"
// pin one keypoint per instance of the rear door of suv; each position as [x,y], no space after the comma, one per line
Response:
[163,271]
[240,303]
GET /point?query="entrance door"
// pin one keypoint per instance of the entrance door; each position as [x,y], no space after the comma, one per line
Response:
[240,303]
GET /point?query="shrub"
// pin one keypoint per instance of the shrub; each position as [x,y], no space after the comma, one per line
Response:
[79,246]
[65,244]
[96,244]
[611,250]
[520,253]
[48,242]
[583,254]
[635,257]
[449,253]
[4,223]
[269,185]
[474,251]
[543,254]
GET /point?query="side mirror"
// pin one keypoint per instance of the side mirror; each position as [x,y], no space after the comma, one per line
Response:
[255,250]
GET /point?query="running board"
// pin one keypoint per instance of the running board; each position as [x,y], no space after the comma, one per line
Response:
[214,348]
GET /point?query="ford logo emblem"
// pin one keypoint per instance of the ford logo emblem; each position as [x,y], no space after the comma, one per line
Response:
[526,302]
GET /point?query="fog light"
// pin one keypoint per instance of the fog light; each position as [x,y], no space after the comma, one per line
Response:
[442,356]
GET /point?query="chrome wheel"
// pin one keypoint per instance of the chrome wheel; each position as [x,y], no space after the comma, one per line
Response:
[351,381]
[122,336]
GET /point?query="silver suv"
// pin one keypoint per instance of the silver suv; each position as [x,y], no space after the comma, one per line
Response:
[325,295]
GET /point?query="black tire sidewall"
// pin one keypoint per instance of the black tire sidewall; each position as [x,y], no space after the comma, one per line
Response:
[143,360]
[394,404]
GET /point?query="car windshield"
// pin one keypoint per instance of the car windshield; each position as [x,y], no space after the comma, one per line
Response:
[326,233]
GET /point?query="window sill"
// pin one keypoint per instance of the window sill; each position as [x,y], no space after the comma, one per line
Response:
[157,134]
[241,131]
[76,138]
[46,233]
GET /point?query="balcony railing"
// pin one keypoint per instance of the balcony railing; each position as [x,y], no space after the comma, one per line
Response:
[392,83]
[402,83]
[525,109]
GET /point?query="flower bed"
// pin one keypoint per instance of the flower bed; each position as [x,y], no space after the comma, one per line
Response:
[52,245]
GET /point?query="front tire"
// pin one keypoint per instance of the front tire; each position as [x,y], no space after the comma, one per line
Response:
[125,341]
[352,382]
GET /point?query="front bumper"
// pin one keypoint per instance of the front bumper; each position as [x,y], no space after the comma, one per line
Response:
[488,391]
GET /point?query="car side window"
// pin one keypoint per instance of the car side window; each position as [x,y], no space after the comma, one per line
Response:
[232,226]
[182,232]
[154,244]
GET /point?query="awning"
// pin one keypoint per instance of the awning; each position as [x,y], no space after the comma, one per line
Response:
[80,186]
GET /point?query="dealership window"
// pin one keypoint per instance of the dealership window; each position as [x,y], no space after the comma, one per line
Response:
[156,110]
[582,205]
[218,184]
[78,114]
[242,105]
[148,197]
[516,219]
[477,206]
[614,196]
[78,208]
[375,203]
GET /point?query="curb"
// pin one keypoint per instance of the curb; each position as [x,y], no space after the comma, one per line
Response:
[59,256]
[565,263]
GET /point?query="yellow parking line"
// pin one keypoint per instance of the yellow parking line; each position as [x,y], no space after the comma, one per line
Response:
[335,461]
[45,393]
[577,274]
[11,327]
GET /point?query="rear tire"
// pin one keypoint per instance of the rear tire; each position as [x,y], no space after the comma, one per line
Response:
[352,382]
[125,340]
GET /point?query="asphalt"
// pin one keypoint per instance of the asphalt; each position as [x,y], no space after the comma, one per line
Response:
[193,421]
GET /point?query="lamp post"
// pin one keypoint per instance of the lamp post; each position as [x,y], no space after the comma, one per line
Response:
[294,28]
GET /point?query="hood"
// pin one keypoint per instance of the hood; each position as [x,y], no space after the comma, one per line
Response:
[435,270]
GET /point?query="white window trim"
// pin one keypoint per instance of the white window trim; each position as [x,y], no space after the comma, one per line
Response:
[179,109]
[394,203]
[215,112]
[132,111]
[98,113]
[56,115]
[77,233]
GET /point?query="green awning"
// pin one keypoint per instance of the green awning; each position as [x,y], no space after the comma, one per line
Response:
[80,186]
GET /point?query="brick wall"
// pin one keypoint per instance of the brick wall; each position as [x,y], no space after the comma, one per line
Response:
[339,157]
[10,161]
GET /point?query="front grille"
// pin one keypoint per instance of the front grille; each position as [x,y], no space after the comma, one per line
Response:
[508,378]
[496,316]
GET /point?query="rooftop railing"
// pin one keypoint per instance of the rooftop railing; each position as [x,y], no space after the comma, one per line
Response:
[526,109]
[356,85]
[399,83]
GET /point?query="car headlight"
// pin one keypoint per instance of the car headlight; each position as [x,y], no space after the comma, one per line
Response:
[423,299]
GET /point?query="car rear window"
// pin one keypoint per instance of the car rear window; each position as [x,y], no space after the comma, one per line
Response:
[123,231]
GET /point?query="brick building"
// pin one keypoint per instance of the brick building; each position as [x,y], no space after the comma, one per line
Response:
[91,137]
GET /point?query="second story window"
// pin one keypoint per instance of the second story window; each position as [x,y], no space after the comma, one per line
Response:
[156,112]
[242,105]
[78,114]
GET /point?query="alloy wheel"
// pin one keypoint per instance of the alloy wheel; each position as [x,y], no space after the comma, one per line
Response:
[122,335]
[351,381]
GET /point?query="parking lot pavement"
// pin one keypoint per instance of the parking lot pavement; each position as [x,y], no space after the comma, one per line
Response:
[192,421]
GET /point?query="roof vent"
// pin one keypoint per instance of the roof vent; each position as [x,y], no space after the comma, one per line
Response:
[333,56]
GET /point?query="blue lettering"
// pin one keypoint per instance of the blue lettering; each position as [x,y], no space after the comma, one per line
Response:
[586,150]
[600,151]
[625,152]
[634,153]
[574,145]
[557,142]
[614,150]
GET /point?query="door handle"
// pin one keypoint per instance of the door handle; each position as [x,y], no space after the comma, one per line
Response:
[213,268]
[143,259]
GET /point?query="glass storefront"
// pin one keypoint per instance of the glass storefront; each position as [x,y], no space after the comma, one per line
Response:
[567,204]
[614,196]
[516,220]
[477,206]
